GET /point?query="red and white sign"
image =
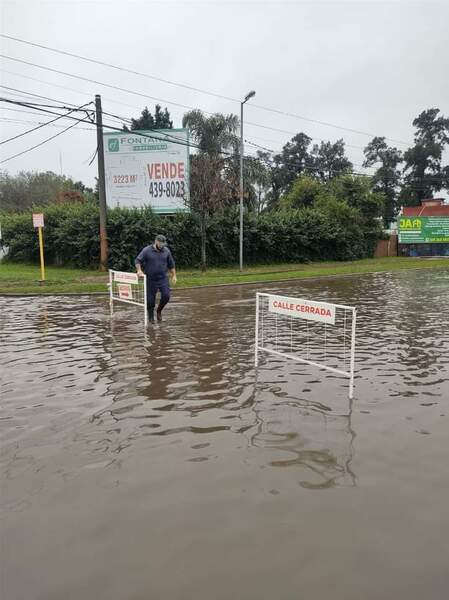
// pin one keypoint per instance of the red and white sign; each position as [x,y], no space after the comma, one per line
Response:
[38,220]
[303,309]
[125,291]
[124,277]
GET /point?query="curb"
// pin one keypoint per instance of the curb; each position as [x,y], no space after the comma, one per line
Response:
[219,285]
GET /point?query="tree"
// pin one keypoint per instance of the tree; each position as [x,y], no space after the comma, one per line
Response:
[208,192]
[160,120]
[303,193]
[27,189]
[353,191]
[329,160]
[261,179]
[293,160]
[210,185]
[215,134]
[357,191]
[387,177]
[424,173]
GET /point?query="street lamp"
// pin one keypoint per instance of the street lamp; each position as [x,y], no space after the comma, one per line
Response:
[247,97]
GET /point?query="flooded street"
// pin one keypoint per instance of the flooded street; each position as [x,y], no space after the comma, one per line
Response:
[160,466]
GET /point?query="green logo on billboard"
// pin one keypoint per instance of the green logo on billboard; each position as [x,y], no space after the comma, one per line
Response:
[113,145]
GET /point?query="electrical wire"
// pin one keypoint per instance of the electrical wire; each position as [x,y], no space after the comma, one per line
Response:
[279,151]
[190,145]
[111,86]
[15,137]
[20,122]
[285,131]
[24,93]
[69,89]
[146,135]
[38,145]
[195,89]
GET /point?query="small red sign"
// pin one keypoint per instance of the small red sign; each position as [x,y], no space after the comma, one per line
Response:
[124,291]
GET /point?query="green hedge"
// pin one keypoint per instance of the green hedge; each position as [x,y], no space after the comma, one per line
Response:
[71,236]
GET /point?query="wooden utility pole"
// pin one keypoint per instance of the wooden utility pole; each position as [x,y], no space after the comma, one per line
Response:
[101,186]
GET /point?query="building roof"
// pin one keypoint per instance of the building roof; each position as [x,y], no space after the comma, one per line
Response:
[431,207]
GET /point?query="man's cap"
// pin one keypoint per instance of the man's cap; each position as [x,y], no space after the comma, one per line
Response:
[161,238]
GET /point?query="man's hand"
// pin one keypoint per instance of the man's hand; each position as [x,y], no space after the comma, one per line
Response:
[174,279]
[140,273]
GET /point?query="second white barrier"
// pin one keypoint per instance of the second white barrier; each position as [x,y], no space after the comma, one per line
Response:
[320,334]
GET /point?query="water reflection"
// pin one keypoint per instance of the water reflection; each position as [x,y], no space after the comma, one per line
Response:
[308,436]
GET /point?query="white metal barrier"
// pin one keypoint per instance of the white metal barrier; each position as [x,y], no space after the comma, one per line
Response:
[128,288]
[316,333]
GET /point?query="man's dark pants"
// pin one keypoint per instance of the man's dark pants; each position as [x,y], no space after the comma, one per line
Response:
[163,287]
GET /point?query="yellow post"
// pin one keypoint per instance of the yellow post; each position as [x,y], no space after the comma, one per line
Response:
[41,251]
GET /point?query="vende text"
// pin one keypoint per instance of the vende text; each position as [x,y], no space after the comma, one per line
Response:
[166,170]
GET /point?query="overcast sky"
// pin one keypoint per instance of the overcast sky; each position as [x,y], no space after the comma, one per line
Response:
[370,66]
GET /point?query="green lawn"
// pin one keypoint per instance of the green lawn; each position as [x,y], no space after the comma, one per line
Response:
[24,279]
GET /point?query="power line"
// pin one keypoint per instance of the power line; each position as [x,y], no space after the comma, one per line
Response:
[288,132]
[279,151]
[35,106]
[121,119]
[93,81]
[40,109]
[40,144]
[174,139]
[196,89]
[123,69]
[28,122]
[40,126]
[167,137]
[292,133]
[290,164]
[325,123]
[69,89]
[24,93]
[26,112]
[114,87]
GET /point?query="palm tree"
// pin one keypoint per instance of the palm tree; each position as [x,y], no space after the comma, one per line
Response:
[213,135]
[215,138]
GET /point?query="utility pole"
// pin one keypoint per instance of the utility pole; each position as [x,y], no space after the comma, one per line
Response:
[247,97]
[101,186]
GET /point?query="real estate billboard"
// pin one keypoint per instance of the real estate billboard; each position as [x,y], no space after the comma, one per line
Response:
[148,168]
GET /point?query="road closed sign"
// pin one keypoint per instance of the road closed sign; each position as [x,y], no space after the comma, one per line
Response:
[298,308]
[148,168]
[38,220]
[125,291]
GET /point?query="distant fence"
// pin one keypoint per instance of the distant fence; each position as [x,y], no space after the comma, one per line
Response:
[387,247]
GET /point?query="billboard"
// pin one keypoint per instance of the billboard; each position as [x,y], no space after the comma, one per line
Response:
[423,230]
[148,168]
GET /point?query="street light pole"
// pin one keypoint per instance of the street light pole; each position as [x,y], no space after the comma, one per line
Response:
[104,249]
[247,97]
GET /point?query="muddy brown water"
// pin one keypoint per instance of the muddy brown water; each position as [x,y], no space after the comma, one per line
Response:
[155,467]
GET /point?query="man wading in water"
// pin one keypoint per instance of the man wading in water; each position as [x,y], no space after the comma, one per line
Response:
[154,261]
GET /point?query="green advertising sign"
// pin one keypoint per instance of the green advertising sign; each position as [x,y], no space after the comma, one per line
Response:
[423,230]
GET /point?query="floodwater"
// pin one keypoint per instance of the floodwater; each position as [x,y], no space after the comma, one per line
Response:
[163,467]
